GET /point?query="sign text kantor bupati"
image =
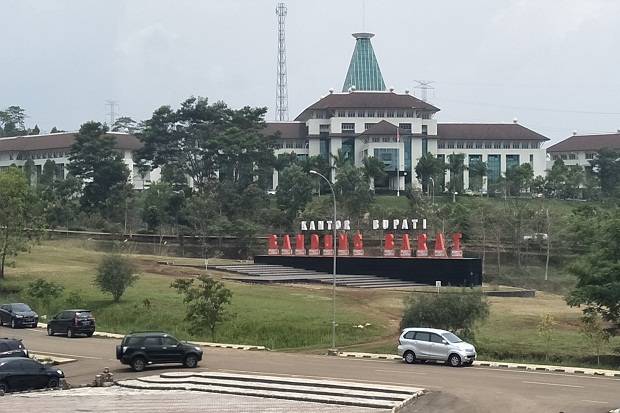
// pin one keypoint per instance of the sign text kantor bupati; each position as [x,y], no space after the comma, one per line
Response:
[377,224]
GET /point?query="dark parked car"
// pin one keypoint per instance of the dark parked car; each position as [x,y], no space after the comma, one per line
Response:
[18,373]
[71,323]
[153,347]
[18,315]
[12,347]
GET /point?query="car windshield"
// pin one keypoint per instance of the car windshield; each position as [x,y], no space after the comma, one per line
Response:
[452,338]
[20,307]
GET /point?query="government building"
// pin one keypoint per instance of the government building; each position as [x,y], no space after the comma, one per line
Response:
[366,119]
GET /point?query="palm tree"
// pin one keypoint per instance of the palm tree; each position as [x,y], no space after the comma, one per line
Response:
[477,170]
[456,165]
[430,167]
[373,170]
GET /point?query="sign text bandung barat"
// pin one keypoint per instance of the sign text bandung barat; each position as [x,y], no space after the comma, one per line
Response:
[385,224]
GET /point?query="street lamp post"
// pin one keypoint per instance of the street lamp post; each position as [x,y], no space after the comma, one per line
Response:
[432,193]
[334,266]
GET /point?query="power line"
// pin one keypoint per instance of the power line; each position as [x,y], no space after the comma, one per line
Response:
[583,112]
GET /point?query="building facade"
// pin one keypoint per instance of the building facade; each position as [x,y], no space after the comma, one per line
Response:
[397,128]
[581,149]
[16,151]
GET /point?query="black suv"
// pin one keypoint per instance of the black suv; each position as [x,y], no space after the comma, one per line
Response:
[18,315]
[72,322]
[154,347]
[12,347]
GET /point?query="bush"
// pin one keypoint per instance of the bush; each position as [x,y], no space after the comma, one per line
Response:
[114,275]
[456,312]
[43,293]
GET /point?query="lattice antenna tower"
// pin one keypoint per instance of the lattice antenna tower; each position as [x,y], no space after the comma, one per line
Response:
[282,84]
[424,86]
[113,105]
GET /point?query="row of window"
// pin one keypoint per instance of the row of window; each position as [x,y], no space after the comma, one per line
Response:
[21,156]
[571,156]
[372,113]
[487,145]
[291,144]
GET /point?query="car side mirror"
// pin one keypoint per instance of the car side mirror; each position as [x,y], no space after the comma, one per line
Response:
[444,342]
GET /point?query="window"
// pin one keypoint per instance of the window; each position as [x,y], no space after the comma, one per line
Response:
[409,335]
[380,113]
[488,145]
[323,128]
[534,145]
[170,341]
[386,139]
[152,341]
[441,145]
[572,156]
[469,145]
[478,145]
[410,114]
[506,145]
[450,145]
[590,155]
[493,168]
[426,115]
[341,113]
[289,145]
[389,114]
[406,126]
[497,145]
[11,156]
[348,128]
[134,341]
[436,338]
[424,146]
[512,161]
[371,114]
[525,145]
[299,145]
[421,336]
[459,144]
[376,139]
[555,157]
[532,159]
[400,113]
[351,114]
[361,113]
[563,156]
[424,129]
[515,145]
[368,126]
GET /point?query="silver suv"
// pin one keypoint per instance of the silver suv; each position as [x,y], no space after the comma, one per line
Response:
[436,345]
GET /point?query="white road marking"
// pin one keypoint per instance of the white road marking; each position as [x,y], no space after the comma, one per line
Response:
[553,384]
[63,355]
[424,386]
[594,401]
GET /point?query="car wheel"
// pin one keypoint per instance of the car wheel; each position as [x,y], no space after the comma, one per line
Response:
[52,383]
[4,388]
[90,334]
[138,364]
[454,360]
[50,332]
[409,357]
[190,361]
[13,323]
[1,322]
[468,363]
[70,333]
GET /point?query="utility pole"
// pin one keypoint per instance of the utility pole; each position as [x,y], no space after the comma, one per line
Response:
[424,86]
[282,80]
[113,105]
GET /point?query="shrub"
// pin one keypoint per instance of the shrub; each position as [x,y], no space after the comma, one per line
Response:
[44,292]
[114,275]
[456,312]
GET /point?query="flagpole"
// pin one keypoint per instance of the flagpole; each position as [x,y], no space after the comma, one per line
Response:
[397,162]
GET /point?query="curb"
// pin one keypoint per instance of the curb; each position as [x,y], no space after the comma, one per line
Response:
[53,360]
[615,411]
[399,408]
[201,343]
[497,364]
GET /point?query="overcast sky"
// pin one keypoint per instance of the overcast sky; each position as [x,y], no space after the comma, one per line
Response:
[553,64]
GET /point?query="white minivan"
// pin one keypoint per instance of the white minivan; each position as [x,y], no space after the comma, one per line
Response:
[435,345]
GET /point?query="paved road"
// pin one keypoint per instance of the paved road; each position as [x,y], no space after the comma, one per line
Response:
[472,389]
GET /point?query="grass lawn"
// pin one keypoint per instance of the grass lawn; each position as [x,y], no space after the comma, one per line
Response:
[287,317]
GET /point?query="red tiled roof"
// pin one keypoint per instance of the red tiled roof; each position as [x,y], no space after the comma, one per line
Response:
[288,130]
[587,143]
[60,141]
[367,100]
[487,131]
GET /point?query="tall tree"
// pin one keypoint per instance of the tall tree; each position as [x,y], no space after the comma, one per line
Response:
[606,166]
[373,170]
[94,160]
[35,130]
[204,141]
[294,191]
[519,178]
[352,191]
[477,171]
[20,223]
[12,121]
[456,165]
[125,124]
[430,167]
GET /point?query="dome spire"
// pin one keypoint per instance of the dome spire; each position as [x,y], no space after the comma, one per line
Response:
[364,72]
